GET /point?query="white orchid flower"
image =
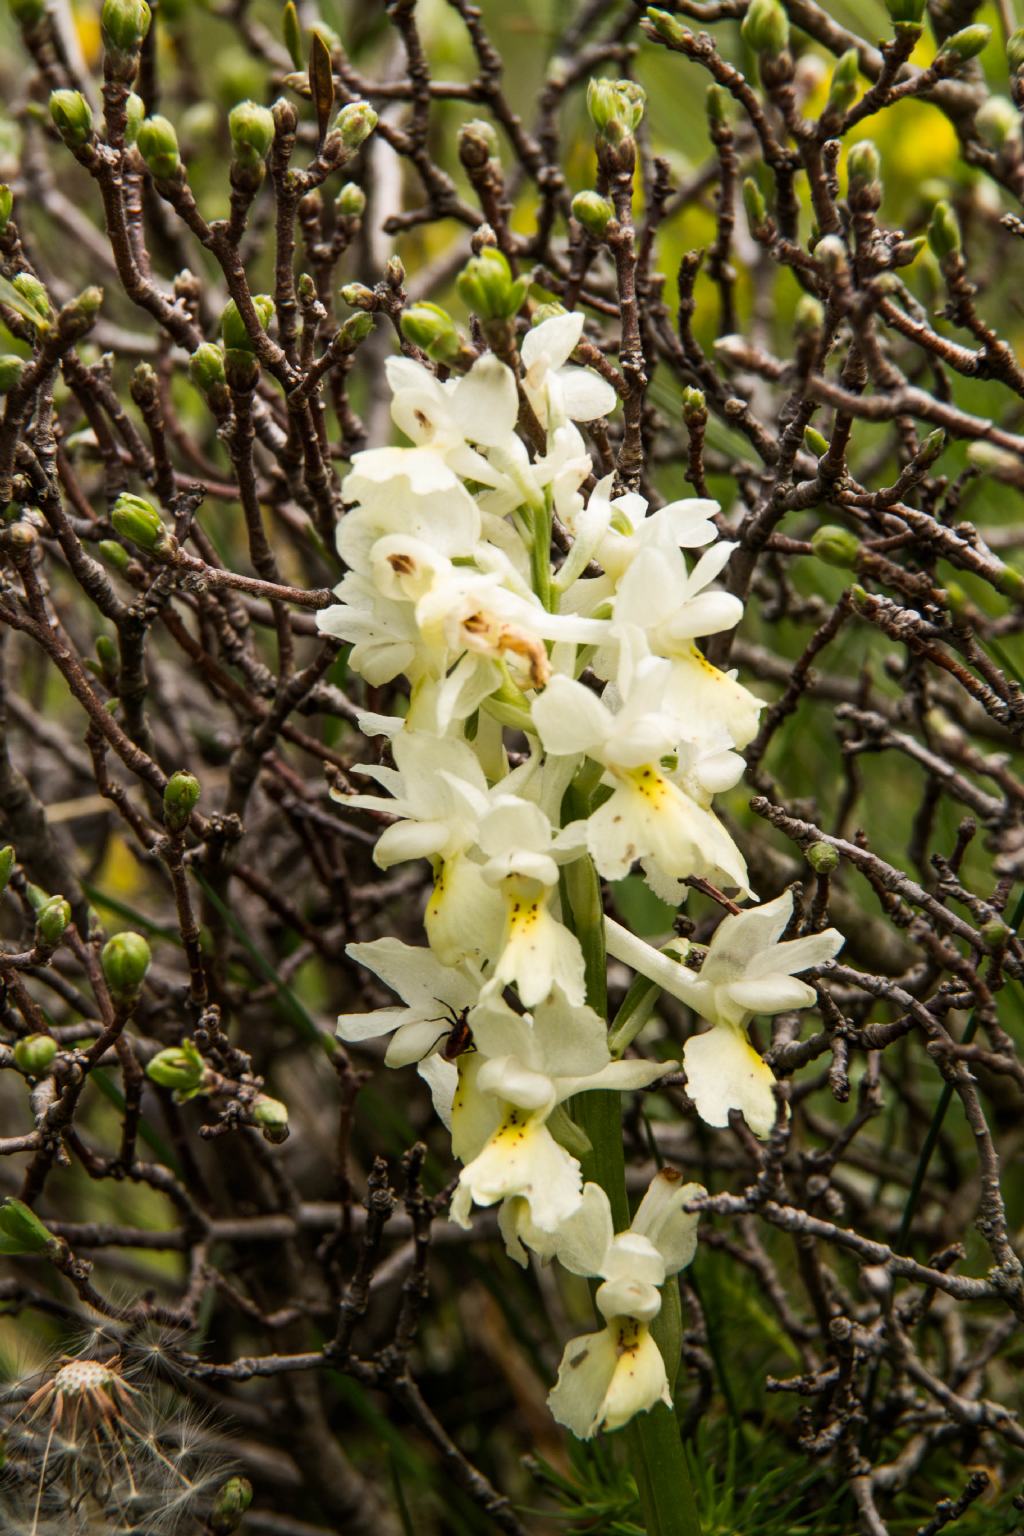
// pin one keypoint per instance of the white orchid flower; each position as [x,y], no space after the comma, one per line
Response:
[607,1377]
[441,420]
[557,392]
[536,953]
[649,816]
[523,1066]
[745,971]
[436,997]
[613,531]
[437,791]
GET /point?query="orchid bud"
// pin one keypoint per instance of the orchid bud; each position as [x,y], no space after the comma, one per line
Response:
[72,116]
[21,1231]
[34,1054]
[7,858]
[836,546]
[6,206]
[487,287]
[350,202]
[967,43]
[815,442]
[125,959]
[944,231]
[206,367]
[355,123]
[230,1503]
[1015,51]
[822,858]
[843,89]
[51,920]
[593,212]
[181,796]
[272,1118]
[431,328]
[233,328]
[995,934]
[179,1067]
[138,521]
[11,370]
[765,27]
[252,132]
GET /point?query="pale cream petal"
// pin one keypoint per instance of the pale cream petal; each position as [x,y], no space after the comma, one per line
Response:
[724,1072]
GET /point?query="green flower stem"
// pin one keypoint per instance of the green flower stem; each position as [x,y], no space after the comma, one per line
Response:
[540,551]
[656,1455]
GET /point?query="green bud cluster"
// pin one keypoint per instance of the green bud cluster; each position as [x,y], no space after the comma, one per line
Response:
[272,1118]
[487,287]
[206,367]
[616,108]
[138,521]
[252,133]
[179,1067]
[157,143]
[836,546]
[842,92]
[11,370]
[350,202]
[765,27]
[233,328]
[593,212]
[52,918]
[355,123]
[430,328]
[181,796]
[123,27]
[124,960]
[944,232]
[34,1054]
[822,857]
[967,43]
[72,117]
